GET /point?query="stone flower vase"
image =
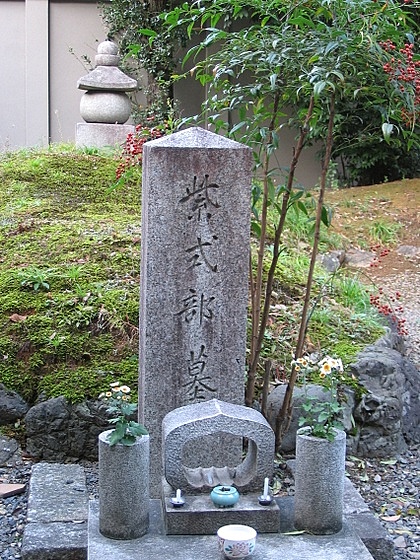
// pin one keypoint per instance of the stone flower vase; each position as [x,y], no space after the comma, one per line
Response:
[319,482]
[123,488]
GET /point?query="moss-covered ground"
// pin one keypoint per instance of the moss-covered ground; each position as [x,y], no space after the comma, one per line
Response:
[69,274]
[69,280]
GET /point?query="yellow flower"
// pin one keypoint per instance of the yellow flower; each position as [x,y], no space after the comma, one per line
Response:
[108,394]
[322,375]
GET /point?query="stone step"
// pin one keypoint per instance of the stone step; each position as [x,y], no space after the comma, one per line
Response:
[57,529]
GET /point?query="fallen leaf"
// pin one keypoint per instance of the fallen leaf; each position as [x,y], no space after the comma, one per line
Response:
[389,462]
[391,518]
[16,318]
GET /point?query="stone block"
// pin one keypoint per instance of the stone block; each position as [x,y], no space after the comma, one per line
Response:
[61,485]
[101,135]
[55,541]
[56,527]
[270,546]
[376,539]
[195,421]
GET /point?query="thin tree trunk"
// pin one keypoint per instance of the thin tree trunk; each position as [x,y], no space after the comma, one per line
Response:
[259,321]
[285,413]
[256,285]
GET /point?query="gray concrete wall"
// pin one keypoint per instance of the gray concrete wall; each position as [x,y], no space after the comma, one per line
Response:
[76,28]
[12,72]
[39,101]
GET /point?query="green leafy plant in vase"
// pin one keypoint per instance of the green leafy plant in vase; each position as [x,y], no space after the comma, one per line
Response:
[321,417]
[125,430]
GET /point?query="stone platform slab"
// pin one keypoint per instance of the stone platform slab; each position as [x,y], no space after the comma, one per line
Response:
[57,529]
[156,546]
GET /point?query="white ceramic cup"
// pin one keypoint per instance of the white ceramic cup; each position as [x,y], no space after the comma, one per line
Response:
[236,541]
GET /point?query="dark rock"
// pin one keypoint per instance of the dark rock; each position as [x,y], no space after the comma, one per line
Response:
[359,258]
[389,412]
[332,261]
[12,406]
[411,403]
[275,401]
[9,448]
[57,430]
[386,418]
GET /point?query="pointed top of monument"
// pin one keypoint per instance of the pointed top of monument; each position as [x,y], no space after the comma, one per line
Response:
[196,137]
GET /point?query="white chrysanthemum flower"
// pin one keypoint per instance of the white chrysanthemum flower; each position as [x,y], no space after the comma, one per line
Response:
[326,368]
[125,389]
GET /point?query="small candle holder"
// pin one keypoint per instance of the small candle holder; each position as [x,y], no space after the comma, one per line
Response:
[178,501]
[265,499]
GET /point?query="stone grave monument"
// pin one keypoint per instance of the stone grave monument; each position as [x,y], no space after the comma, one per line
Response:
[105,106]
[194,286]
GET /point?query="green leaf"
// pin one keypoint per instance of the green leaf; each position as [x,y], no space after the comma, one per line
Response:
[148,32]
[137,429]
[273,80]
[319,87]
[128,440]
[256,228]
[326,216]
[116,435]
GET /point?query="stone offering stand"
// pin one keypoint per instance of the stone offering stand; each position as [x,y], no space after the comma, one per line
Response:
[199,516]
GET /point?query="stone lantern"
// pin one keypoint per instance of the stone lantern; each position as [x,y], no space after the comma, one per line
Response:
[105,107]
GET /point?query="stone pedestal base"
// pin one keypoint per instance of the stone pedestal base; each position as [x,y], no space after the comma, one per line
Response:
[98,135]
[199,516]
[319,482]
[123,488]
